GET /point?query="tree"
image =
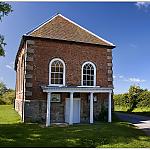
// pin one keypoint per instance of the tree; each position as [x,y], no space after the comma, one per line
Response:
[3,88]
[5,9]
[133,94]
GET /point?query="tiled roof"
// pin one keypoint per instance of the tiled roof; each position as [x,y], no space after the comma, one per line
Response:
[60,27]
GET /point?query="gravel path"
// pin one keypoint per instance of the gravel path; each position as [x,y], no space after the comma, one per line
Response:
[141,122]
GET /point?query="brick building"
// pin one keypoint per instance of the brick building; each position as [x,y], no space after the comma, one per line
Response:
[63,74]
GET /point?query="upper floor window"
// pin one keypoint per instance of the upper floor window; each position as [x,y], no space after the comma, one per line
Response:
[88,74]
[57,72]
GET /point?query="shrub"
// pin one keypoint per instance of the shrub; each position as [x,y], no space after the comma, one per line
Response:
[8,97]
[103,114]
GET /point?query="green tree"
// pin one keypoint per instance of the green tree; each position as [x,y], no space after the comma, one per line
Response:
[8,97]
[3,88]
[5,9]
[133,94]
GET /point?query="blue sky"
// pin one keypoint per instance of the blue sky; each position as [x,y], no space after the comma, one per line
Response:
[127,25]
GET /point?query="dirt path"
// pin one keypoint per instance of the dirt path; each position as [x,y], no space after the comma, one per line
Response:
[141,122]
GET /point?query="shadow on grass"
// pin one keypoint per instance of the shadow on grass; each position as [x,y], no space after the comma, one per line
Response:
[144,113]
[115,134]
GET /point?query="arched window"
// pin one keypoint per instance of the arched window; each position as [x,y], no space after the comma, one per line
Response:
[88,74]
[57,72]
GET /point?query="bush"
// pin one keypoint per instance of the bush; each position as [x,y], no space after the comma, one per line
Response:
[136,97]
[103,114]
[144,99]
[7,98]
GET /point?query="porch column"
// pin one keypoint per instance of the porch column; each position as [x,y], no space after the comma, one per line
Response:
[109,108]
[91,107]
[48,118]
[71,109]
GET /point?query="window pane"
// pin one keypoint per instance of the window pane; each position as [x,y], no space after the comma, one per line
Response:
[60,81]
[88,83]
[88,77]
[84,77]
[92,71]
[84,82]
[56,75]
[52,81]
[92,83]
[56,81]
[92,78]
[84,71]
[57,68]
[88,71]
[61,69]
[61,75]
[52,69]
[52,75]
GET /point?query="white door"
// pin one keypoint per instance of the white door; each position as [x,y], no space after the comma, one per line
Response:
[76,110]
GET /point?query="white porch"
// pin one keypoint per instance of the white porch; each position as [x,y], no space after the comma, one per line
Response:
[72,90]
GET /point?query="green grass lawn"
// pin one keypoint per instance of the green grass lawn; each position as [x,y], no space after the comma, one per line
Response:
[116,134]
[145,111]
[8,115]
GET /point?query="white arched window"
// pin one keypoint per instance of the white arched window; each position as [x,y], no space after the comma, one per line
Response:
[88,74]
[57,72]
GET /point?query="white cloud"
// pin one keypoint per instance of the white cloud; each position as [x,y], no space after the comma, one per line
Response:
[136,80]
[129,79]
[121,77]
[114,77]
[10,67]
[142,4]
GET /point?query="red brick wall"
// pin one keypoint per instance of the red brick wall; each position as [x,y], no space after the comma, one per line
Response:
[74,55]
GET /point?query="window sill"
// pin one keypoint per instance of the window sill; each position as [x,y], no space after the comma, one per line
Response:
[57,85]
[87,86]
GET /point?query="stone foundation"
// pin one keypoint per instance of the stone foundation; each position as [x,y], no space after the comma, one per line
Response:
[35,110]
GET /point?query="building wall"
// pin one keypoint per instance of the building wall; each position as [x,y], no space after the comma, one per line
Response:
[39,53]
[74,55]
[20,82]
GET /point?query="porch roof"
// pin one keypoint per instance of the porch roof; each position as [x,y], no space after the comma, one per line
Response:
[79,89]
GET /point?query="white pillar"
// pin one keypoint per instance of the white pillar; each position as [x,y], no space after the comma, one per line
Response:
[109,108]
[71,109]
[91,107]
[48,118]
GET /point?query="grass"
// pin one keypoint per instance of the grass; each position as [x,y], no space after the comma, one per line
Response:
[145,111]
[8,115]
[116,134]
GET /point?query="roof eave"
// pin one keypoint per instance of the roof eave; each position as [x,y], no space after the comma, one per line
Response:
[38,37]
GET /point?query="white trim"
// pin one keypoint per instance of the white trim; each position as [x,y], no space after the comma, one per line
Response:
[48,114]
[76,89]
[64,72]
[88,62]
[74,24]
[71,109]
[109,108]
[91,107]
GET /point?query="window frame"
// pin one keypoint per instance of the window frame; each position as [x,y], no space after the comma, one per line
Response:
[64,71]
[94,81]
